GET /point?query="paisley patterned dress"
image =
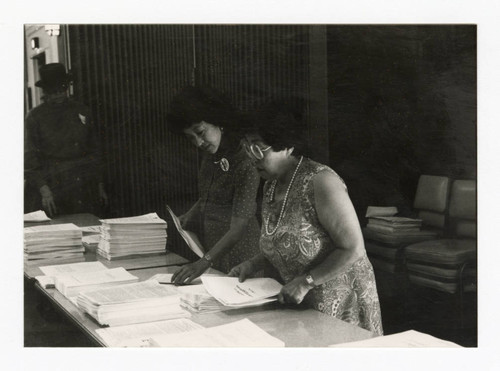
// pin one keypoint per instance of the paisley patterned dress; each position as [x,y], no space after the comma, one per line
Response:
[301,243]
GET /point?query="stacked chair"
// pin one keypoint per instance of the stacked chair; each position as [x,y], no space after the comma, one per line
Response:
[449,264]
[386,252]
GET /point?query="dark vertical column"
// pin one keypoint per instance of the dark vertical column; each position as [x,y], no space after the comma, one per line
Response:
[318,104]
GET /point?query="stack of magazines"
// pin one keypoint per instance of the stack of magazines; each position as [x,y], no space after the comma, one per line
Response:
[132,236]
[133,303]
[52,243]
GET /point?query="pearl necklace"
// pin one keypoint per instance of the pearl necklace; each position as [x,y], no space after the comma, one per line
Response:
[273,187]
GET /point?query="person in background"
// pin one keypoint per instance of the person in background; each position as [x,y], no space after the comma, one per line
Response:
[62,161]
[228,183]
[310,231]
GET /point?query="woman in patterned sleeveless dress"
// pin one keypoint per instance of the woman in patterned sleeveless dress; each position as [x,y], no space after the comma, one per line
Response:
[310,231]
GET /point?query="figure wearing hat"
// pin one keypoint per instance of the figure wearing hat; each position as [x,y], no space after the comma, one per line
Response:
[62,162]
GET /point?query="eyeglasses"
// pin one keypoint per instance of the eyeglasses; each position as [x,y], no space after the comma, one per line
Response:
[254,151]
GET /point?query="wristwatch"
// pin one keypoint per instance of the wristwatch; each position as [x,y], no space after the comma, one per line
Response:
[310,280]
[208,258]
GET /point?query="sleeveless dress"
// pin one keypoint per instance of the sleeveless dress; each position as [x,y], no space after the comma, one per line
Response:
[301,243]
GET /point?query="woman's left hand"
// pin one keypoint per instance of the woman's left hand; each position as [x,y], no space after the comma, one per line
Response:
[294,291]
[189,272]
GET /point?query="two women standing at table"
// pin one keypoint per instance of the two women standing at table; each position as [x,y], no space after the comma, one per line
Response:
[310,231]
[228,182]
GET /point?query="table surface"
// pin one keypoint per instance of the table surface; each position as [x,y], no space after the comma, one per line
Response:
[295,327]
[85,220]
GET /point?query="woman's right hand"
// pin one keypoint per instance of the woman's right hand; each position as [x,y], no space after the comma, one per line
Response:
[243,270]
[48,200]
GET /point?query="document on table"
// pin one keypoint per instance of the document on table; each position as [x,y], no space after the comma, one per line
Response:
[243,333]
[166,278]
[52,271]
[91,229]
[229,291]
[138,335]
[36,216]
[191,239]
[151,218]
[407,339]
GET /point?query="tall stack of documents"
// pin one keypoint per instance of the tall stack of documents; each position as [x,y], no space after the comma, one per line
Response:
[132,236]
[133,303]
[57,242]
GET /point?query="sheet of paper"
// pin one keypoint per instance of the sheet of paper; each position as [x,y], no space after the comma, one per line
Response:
[151,218]
[407,339]
[36,216]
[229,291]
[166,278]
[132,292]
[46,281]
[91,229]
[191,239]
[243,333]
[138,335]
[56,270]
[51,230]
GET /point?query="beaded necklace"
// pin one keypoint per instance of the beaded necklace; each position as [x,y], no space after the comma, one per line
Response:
[273,187]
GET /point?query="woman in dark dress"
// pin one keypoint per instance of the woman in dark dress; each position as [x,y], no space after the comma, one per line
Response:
[228,182]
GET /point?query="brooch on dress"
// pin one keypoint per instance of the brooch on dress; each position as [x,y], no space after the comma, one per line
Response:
[223,163]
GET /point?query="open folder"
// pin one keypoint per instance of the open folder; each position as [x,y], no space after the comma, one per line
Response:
[191,239]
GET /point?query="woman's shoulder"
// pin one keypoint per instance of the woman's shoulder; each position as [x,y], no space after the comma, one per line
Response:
[317,171]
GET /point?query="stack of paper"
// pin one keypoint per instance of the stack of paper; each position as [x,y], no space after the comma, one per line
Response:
[46,243]
[197,300]
[139,335]
[52,271]
[139,235]
[193,297]
[74,283]
[139,302]
[232,293]
[373,211]
[394,225]
[242,333]
[91,242]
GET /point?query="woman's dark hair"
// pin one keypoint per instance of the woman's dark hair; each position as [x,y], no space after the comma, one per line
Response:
[280,126]
[194,104]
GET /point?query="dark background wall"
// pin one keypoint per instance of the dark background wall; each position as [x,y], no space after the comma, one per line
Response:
[128,74]
[402,102]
